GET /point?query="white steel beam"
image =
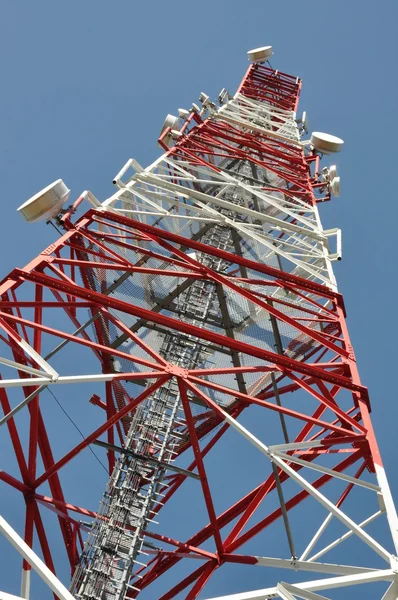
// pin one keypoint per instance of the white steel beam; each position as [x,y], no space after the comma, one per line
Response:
[29,350]
[297,446]
[302,565]
[44,382]
[293,589]
[284,593]
[326,470]
[158,181]
[35,562]
[392,592]
[25,583]
[388,503]
[325,502]
[20,367]
[316,536]
[317,585]
[293,256]
[344,537]
[68,379]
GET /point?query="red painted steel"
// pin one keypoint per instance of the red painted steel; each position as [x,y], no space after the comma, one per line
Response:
[48,300]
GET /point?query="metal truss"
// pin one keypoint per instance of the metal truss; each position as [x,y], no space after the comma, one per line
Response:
[199,294]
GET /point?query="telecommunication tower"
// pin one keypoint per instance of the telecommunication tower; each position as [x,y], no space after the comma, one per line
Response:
[204,290]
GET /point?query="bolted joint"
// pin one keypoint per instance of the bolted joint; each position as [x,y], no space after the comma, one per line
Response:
[176,371]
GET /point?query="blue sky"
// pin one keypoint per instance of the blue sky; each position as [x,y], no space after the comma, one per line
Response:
[87,84]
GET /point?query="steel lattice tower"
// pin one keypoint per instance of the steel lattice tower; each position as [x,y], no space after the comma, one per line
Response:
[204,290]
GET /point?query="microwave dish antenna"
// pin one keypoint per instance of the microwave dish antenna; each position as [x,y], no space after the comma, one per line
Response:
[260,55]
[46,204]
[335,186]
[326,143]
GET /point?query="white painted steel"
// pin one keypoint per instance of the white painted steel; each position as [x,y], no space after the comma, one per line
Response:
[284,593]
[322,469]
[156,187]
[44,382]
[123,171]
[308,228]
[302,565]
[52,373]
[316,537]
[153,191]
[325,502]
[32,382]
[25,583]
[20,367]
[318,585]
[344,537]
[392,592]
[388,503]
[288,590]
[35,562]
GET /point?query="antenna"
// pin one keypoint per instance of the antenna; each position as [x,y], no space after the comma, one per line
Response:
[332,172]
[335,186]
[204,98]
[206,102]
[155,263]
[170,121]
[326,143]
[183,113]
[304,121]
[329,173]
[223,96]
[260,55]
[45,204]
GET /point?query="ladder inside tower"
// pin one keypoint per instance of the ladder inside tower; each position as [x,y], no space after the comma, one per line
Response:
[114,550]
[115,541]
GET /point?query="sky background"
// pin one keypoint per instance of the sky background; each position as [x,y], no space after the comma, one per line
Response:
[87,85]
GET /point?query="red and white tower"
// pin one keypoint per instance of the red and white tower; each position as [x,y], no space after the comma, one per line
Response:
[197,312]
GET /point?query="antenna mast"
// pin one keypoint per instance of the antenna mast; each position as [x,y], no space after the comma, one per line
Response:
[204,287]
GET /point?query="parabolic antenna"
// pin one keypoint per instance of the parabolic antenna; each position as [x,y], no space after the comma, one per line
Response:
[47,203]
[260,55]
[326,143]
[183,112]
[170,121]
[332,172]
[335,186]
